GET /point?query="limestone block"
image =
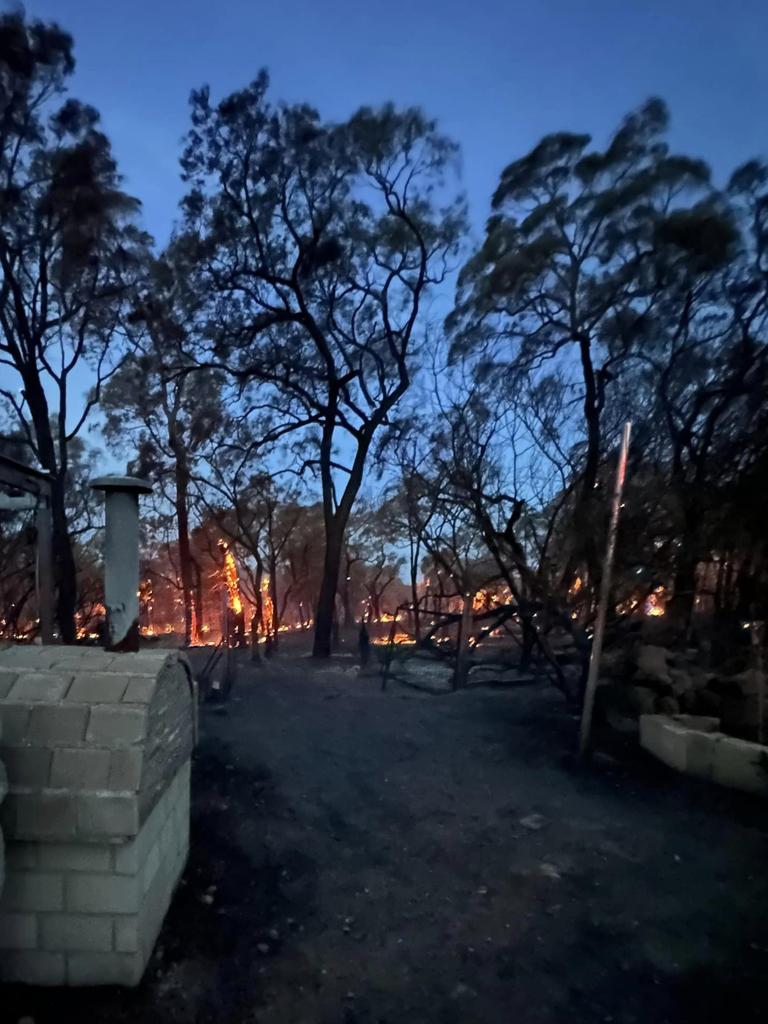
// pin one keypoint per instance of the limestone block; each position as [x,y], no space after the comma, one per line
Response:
[662,737]
[40,686]
[34,967]
[58,726]
[79,768]
[139,690]
[44,815]
[700,753]
[18,931]
[107,814]
[33,891]
[15,722]
[102,894]
[27,766]
[88,932]
[741,765]
[70,856]
[7,679]
[125,769]
[98,687]
[111,726]
[103,969]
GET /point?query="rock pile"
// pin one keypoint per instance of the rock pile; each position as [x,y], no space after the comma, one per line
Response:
[650,679]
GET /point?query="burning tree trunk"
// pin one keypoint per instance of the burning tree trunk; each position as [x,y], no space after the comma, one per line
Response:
[234,601]
[274,611]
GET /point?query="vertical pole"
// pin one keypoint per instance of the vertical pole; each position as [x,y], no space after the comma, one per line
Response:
[605,594]
[45,570]
[121,558]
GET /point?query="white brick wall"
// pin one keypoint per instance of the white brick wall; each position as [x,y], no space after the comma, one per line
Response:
[89,914]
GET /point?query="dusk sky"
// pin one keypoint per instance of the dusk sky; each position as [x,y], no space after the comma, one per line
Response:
[497,75]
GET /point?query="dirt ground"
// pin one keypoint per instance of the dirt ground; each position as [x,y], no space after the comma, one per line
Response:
[361,857]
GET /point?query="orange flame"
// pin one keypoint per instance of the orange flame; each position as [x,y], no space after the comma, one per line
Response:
[655,602]
[268,608]
[194,638]
[231,579]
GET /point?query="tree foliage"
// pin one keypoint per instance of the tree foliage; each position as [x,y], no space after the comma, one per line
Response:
[318,244]
[69,255]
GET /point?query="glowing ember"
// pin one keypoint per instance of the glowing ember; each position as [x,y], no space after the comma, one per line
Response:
[655,602]
[84,624]
[399,638]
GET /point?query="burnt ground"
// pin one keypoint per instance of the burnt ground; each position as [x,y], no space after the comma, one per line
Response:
[369,858]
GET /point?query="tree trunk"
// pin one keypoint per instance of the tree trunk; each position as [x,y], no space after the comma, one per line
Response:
[64,563]
[335,522]
[255,654]
[185,550]
[273,596]
[681,605]
[528,642]
[65,571]
[416,610]
[326,602]
[462,647]
[347,605]
[257,621]
[197,596]
[346,598]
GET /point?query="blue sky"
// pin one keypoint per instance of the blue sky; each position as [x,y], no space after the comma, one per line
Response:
[496,74]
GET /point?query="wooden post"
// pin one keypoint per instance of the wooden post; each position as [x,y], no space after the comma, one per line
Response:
[605,594]
[45,570]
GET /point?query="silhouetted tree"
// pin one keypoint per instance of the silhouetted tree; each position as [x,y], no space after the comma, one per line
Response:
[68,258]
[318,244]
[567,274]
[167,408]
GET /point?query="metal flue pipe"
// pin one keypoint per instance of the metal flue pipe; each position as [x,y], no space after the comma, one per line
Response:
[121,558]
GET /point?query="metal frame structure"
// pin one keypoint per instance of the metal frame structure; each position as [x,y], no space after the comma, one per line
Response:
[18,477]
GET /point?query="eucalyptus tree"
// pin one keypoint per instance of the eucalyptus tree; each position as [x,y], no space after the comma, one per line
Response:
[166,409]
[567,278]
[318,244]
[70,256]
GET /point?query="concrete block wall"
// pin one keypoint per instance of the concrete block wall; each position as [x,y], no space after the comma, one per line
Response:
[89,913]
[97,747]
[693,745]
